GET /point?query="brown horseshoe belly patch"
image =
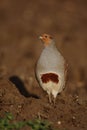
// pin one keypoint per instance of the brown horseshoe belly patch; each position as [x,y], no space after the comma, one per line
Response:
[49,77]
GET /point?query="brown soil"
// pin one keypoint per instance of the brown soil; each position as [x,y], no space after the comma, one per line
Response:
[21,22]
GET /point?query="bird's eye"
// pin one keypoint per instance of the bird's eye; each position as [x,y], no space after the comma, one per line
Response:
[45,36]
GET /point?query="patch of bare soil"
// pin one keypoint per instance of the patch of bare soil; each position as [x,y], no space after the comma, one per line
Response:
[69,112]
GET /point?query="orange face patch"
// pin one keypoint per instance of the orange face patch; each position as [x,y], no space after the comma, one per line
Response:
[46,39]
[49,77]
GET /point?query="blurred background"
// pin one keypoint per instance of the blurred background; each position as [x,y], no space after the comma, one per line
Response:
[21,23]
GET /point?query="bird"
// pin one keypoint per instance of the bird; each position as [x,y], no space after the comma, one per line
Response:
[51,68]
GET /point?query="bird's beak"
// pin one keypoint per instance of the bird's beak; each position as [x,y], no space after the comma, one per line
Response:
[40,37]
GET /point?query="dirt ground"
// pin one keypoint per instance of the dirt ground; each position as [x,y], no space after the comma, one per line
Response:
[21,22]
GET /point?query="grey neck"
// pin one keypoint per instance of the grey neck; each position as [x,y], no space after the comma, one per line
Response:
[52,44]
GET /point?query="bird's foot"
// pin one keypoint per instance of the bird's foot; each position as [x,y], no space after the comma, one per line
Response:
[52,100]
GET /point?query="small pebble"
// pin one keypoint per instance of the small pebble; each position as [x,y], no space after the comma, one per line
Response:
[19,106]
[59,122]
[73,117]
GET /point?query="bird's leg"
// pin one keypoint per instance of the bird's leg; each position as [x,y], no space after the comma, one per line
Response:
[54,101]
[54,94]
[50,100]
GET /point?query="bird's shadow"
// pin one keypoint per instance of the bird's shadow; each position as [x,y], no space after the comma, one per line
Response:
[21,87]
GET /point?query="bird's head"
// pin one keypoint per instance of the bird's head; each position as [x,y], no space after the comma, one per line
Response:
[46,39]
